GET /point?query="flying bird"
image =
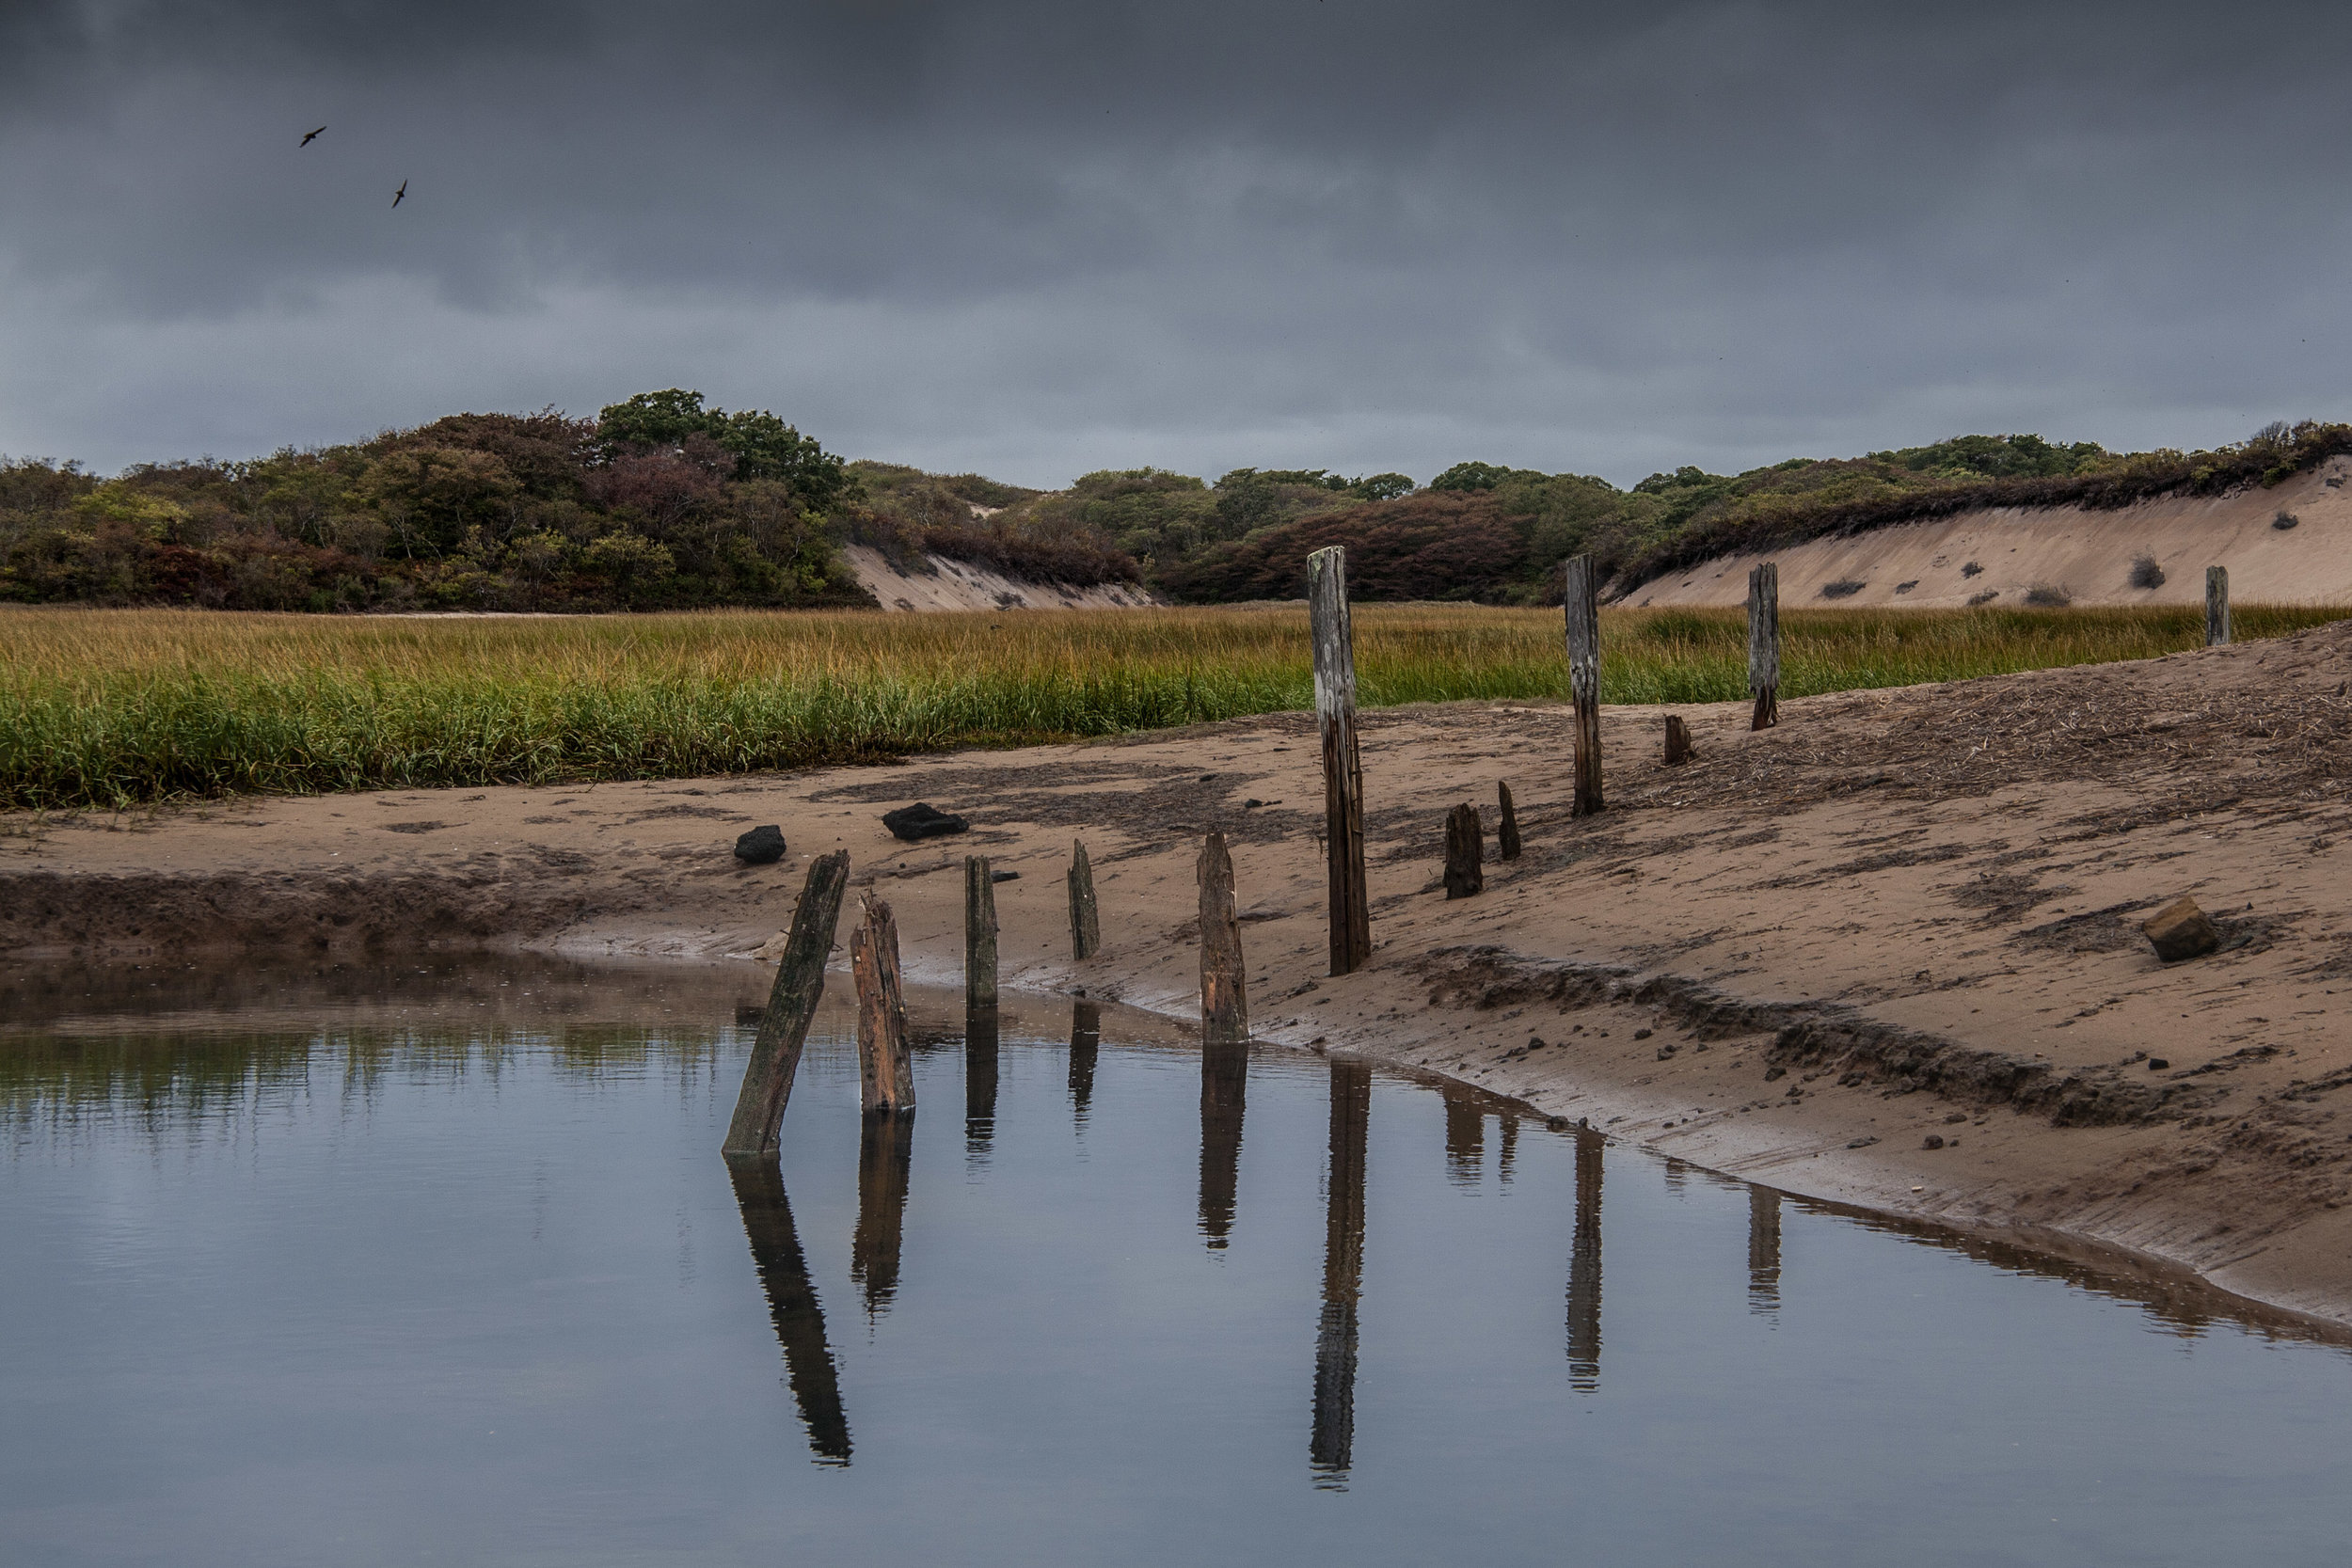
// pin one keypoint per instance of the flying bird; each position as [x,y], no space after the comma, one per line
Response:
[313,136]
[400,194]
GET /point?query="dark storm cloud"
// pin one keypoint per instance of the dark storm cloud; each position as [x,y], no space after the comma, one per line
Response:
[1040,237]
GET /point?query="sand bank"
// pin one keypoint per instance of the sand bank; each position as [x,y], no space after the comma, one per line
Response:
[1902,916]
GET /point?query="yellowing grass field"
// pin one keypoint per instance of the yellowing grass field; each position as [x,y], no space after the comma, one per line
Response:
[110,708]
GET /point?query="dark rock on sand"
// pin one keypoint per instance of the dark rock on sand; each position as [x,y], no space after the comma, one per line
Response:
[761,846]
[2181,930]
[921,821]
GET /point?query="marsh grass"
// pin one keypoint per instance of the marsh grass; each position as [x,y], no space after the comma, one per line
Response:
[114,708]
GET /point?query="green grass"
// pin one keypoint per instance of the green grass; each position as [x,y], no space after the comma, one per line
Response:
[115,708]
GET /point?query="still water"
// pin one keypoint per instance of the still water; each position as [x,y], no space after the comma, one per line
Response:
[439,1264]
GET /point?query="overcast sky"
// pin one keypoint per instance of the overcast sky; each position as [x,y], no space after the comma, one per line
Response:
[1045,236]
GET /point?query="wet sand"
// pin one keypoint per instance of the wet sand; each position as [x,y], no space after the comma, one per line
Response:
[1902,916]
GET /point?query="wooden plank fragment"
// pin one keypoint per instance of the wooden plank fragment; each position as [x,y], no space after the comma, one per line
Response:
[791,1002]
[1086,921]
[1224,997]
[1334,640]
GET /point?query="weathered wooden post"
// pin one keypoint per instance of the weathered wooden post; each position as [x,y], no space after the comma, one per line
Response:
[1678,740]
[885,1072]
[1224,998]
[1507,830]
[1343,772]
[1086,921]
[1581,591]
[1764,643]
[784,1028]
[979,933]
[1465,852]
[2217,606]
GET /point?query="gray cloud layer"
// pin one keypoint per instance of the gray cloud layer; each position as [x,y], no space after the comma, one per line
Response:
[1040,237]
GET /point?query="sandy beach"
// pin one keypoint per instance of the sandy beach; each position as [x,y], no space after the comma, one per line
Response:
[1887,954]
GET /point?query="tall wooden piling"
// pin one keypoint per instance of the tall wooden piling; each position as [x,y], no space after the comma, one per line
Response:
[1465,852]
[1764,643]
[1507,829]
[1678,740]
[2217,606]
[791,1002]
[885,1072]
[1086,921]
[1343,772]
[1224,997]
[979,933]
[1581,591]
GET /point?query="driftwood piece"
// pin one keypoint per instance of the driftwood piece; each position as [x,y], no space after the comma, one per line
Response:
[1678,740]
[979,933]
[1334,640]
[1507,828]
[1086,921]
[1764,643]
[885,1071]
[1580,593]
[1465,852]
[2217,606]
[1224,997]
[793,1001]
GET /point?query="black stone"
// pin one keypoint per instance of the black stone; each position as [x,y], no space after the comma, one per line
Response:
[921,821]
[1004,876]
[761,846]
[2157,1063]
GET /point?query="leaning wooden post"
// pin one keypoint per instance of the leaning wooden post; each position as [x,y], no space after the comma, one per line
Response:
[2217,606]
[1580,593]
[885,1073]
[1224,997]
[1678,740]
[784,1028]
[1764,643]
[1507,830]
[1086,921]
[1343,772]
[1465,852]
[979,933]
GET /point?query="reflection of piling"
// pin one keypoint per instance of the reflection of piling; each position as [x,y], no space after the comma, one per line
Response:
[784,1027]
[1763,1250]
[980,1079]
[1506,1144]
[885,1154]
[1086,1045]
[800,1318]
[1331,1447]
[1584,1269]
[1465,1140]
[1224,1076]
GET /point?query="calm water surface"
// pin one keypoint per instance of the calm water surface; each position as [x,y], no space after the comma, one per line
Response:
[434,1264]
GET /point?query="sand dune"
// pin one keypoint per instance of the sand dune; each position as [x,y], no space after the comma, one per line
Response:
[968,585]
[2088,555]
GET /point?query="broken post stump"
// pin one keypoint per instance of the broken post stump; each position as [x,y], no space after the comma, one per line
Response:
[1465,852]
[1224,998]
[2217,606]
[2181,930]
[1334,639]
[1764,643]
[1580,593]
[885,1072]
[1086,923]
[1507,829]
[979,933]
[793,1001]
[1678,740]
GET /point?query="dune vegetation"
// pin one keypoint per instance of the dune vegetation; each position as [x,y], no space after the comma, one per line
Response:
[111,709]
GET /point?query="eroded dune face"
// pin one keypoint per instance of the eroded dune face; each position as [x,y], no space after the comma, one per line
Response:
[968,585]
[2000,555]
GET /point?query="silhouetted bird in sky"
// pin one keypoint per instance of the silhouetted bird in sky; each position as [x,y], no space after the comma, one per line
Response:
[313,136]
[400,194]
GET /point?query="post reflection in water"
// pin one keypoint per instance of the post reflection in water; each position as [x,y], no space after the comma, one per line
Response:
[800,1318]
[980,1081]
[1763,1250]
[884,1156]
[1086,1045]
[1585,1268]
[1465,1138]
[1224,1075]
[1330,1445]
[1506,1144]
